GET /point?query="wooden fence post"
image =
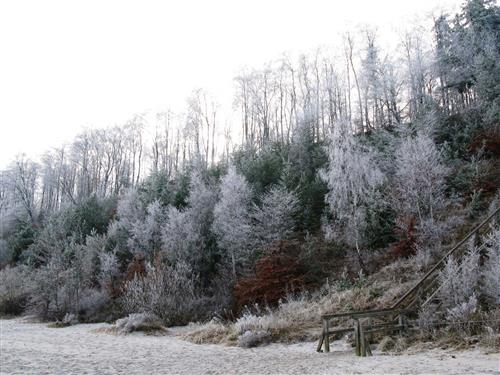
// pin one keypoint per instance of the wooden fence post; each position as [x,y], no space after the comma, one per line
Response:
[362,341]
[356,337]
[401,323]
[326,334]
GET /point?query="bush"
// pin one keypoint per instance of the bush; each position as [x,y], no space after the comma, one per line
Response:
[93,304]
[462,312]
[251,339]
[428,320]
[13,290]
[165,291]
[139,322]
[459,282]
[213,332]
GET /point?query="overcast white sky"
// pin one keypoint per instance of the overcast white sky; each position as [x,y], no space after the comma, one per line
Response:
[69,64]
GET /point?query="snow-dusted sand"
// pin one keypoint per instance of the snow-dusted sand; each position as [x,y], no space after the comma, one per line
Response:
[28,348]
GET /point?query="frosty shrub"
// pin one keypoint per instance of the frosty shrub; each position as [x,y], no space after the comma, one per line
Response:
[92,303]
[285,322]
[423,259]
[251,322]
[13,290]
[139,322]
[166,291]
[427,319]
[459,281]
[459,287]
[490,285]
[430,232]
[463,312]
[251,339]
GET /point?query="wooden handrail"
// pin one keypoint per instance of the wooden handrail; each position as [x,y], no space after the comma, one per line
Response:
[444,258]
[395,308]
[363,313]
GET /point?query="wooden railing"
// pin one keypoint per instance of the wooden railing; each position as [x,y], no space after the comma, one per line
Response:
[443,260]
[357,327]
[398,312]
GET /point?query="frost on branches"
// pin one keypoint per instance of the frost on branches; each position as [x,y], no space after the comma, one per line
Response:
[274,220]
[185,230]
[146,234]
[168,292]
[352,177]
[420,177]
[232,224]
[459,286]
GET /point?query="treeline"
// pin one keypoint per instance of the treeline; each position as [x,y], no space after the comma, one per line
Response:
[370,153]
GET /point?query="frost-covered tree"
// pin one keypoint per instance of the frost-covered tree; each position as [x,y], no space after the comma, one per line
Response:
[109,269]
[130,208]
[46,285]
[186,231]
[353,178]
[138,226]
[179,237]
[459,284]
[420,177]
[23,180]
[274,219]
[95,244]
[232,222]
[145,236]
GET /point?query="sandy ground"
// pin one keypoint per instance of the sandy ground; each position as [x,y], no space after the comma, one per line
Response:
[28,348]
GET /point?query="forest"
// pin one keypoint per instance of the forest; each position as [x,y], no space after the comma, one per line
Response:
[341,166]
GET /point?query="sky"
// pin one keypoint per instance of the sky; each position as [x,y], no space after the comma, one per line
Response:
[66,65]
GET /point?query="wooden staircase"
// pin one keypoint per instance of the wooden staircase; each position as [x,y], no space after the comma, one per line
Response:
[395,318]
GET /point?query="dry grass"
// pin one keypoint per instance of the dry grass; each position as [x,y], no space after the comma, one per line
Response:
[113,330]
[147,323]
[212,332]
[298,319]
